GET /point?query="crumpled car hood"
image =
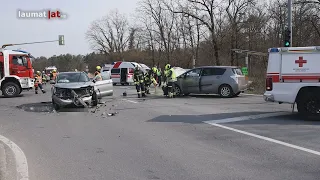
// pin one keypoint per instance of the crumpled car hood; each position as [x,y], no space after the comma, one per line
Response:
[73,85]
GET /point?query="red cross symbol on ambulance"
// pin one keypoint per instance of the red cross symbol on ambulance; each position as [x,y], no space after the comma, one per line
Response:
[301,61]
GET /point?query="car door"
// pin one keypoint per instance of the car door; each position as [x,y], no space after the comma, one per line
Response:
[207,80]
[19,65]
[191,81]
[104,87]
[218,79]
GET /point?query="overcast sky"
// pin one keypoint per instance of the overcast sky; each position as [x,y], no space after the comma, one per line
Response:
[80,14]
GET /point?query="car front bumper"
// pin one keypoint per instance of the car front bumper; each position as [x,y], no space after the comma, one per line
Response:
[66,102]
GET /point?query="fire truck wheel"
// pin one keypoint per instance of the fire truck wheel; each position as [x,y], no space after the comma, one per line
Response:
[309,104]
[225,91]
[11,89]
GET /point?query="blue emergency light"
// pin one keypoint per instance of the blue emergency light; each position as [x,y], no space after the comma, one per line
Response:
[21,51]
[273,50]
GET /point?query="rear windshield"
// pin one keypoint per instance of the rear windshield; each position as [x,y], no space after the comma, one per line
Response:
[237,71]
[115,71]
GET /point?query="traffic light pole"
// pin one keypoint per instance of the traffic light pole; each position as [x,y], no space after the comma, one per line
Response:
[290,20]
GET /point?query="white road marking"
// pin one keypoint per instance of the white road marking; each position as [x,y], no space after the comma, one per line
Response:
[130,101]
[250,117]
[268,139]
[21,160]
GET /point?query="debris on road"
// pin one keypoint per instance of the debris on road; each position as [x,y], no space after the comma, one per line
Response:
[125,93]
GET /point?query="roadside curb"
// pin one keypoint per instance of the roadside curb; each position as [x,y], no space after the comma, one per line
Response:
[258,95]
[3,162]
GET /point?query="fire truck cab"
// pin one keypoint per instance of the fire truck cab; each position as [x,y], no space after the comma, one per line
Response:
[16,72]
[293,76]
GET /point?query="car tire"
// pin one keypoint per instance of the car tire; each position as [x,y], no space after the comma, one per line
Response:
[177,90]
[14,87]
[114,84]
[225,91]
[94,99]
[308,105]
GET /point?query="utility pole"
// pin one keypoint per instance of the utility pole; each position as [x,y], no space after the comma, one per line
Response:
[290,20]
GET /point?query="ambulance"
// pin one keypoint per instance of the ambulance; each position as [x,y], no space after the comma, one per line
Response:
[122,72]
[293,76]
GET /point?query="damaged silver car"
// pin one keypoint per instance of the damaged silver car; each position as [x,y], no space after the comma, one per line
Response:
[76,88]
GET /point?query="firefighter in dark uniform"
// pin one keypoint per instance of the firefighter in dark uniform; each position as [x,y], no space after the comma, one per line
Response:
[138,78]
[148,80]
[171,79]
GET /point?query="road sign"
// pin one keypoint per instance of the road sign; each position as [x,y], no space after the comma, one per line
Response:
[244,71]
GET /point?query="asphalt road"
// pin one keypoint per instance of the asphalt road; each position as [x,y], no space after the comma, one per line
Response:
[156,138]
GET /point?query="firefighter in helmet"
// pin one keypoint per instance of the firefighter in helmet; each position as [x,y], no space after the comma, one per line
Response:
[171,79]
[97,74]
[38,83]
[53,74]
[98,70]
[149,79]
[138,78]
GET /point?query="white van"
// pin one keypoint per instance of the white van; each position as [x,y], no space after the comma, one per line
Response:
[106,69]
[122,72]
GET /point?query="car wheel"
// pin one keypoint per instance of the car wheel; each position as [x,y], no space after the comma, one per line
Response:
[309,105]
[114,84]
[177,90]
[11,89]
[94,99]
[225,91]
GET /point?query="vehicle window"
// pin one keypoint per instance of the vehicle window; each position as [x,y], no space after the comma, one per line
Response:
[24,61]
[17,60]
[218,71]
[194,72]
[208,72]
[115,71]
[83,78]
[72,77]
[105,76]
[237,71]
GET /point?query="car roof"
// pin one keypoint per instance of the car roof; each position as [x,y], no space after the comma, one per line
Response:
[217,67]
[72,72]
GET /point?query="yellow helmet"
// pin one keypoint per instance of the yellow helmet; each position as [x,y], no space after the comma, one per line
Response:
[98,68]
[154,69]
[167,67]
[54,71]
[38,73]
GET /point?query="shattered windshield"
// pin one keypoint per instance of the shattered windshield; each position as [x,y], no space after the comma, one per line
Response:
[72,78]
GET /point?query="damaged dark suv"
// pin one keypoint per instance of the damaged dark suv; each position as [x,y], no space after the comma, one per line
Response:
[76,88]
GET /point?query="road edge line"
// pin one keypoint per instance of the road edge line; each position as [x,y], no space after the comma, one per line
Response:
[3,162]
[21,160]
[268,139]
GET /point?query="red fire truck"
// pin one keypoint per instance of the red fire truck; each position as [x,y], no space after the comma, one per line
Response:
[16,72]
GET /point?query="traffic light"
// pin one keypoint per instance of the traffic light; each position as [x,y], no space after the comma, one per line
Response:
[287,37]
[61,40]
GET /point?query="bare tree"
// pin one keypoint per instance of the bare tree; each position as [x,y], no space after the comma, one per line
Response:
[109,34]
[164,21]
[203,11]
